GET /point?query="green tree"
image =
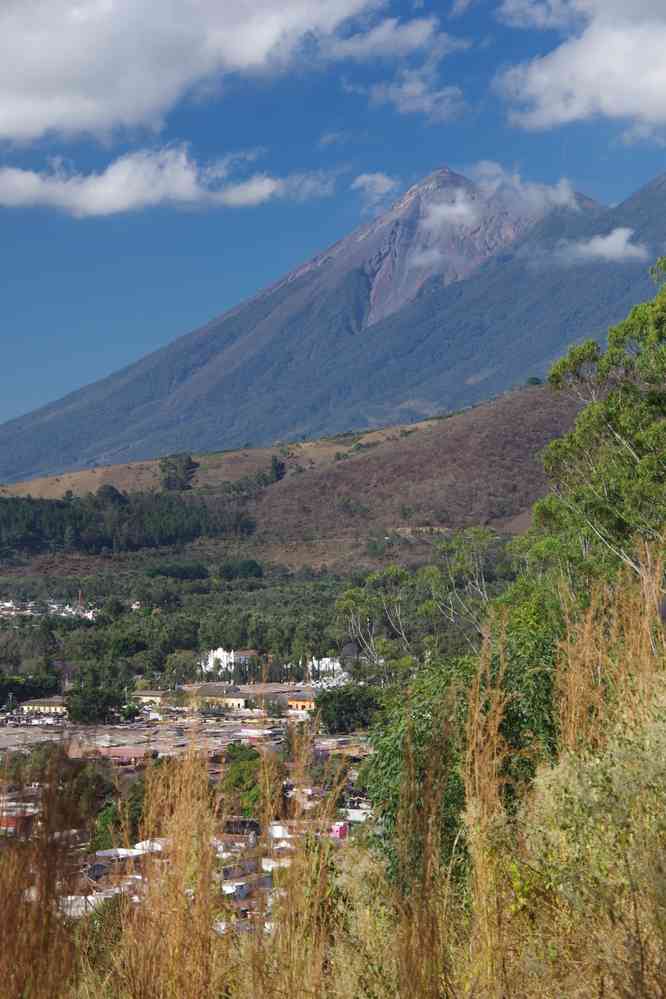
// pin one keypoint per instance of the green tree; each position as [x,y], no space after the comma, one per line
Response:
[347,709]
[471,569]
[242,778]
[180,666]
[177,472]
[376,615]
[278,469]
[100,691]
[609,473]
[418,748]
[88,703]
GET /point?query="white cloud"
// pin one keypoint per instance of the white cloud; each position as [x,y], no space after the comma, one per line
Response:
[246,193]
[73,66]
[538,13]
[416,87]
[523,197]
[610,62]
[390,38]
[616,248]
[461,7]
[310,184]
[418,91]
[425,258]
[375,187]
[463,210]
[148,178]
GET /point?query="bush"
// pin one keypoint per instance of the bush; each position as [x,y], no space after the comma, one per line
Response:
[247,568]
[346,709]
[178,570]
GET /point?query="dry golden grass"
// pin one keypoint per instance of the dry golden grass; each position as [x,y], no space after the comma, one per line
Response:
[565,895]
[38,957]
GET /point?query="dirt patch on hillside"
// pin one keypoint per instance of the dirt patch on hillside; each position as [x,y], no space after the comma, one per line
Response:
[478,467]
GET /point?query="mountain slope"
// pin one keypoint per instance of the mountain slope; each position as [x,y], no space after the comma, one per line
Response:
[479,466]
[455,294]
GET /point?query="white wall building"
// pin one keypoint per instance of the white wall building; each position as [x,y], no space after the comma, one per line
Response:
[222,661]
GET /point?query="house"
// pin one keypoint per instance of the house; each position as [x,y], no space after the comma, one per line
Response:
[301,700]
[53,707]
[18,820]
[220,695]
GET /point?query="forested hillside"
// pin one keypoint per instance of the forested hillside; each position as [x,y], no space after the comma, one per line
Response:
[306,503]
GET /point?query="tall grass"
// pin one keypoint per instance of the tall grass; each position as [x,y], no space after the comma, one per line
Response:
[38,958]
[564,894]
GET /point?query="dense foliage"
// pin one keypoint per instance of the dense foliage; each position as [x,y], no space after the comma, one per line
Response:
[114,521]
[15,689]
[177,472]
[347,709]
[609,474]
[607,503]
[242,778]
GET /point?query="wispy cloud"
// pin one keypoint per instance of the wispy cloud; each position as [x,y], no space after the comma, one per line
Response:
[375,188]
[524,197]
[340,137]
[149,178]
[416,87]
[418,90]
[460,7]
[614,248]
[391,39]
[425,258]
[538,13]
[462,210]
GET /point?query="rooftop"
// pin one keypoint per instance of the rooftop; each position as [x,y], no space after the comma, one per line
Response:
[217,690]
[54,701]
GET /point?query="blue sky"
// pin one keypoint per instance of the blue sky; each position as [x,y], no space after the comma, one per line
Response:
[161,160]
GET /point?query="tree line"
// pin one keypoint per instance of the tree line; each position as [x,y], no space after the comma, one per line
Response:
[114,521]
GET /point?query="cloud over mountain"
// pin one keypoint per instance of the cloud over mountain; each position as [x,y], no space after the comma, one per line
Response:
[615,248]
[524,197]
[394,322]
[374,188]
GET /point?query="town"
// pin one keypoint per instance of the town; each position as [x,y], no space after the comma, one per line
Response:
[212,722]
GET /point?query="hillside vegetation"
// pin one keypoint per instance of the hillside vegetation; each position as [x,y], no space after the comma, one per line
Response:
[481,466]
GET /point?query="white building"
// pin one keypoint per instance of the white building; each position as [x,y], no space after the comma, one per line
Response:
[221,662]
